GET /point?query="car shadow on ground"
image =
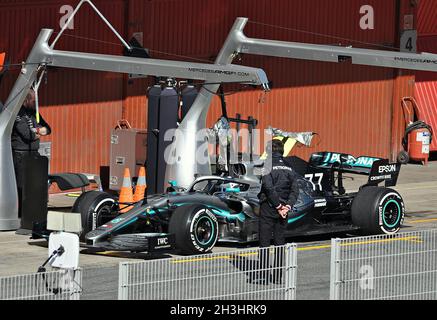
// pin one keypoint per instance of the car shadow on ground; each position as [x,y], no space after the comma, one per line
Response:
[39,243]
[298,240]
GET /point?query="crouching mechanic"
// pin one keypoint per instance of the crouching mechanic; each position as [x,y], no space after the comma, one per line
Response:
[279,192]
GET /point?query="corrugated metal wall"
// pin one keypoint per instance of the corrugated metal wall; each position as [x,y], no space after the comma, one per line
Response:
[426,82]
[319,97]
[427,22]
[353,108]
[81,106]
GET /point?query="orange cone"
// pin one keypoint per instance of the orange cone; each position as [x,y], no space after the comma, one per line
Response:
[140,189]
[126,194]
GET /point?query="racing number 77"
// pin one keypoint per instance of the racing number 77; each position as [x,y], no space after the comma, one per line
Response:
[316,185]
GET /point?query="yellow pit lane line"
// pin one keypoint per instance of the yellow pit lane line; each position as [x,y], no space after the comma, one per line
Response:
[360,243]
[202,259]
[223,257]
[310,248]
[422,220]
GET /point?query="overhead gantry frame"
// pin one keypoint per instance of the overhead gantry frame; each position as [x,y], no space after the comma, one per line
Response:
[184,149]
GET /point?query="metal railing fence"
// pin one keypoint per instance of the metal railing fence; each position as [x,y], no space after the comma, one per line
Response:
[249,274]
[390,267]
[55,285]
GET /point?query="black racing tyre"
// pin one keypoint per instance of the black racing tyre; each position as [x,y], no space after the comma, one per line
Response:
[96,208]
[403,157]
[195,228]
[378,210]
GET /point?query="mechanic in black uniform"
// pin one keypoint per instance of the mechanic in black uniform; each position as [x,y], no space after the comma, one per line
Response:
[26,136]
[279,192]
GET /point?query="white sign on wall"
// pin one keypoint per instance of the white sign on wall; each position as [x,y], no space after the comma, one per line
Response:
[409,41]
[67,11]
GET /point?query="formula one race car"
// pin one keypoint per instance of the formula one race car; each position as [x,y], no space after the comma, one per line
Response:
[222,208]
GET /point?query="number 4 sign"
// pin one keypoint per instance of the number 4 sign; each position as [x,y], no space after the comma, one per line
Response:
[409,41]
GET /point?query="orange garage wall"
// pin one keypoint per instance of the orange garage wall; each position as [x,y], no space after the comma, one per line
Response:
[354,109]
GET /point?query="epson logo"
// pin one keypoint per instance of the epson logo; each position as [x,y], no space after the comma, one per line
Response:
[162,241]
[387,169]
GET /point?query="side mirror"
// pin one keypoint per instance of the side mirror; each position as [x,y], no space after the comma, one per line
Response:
[174,187]
[172,183]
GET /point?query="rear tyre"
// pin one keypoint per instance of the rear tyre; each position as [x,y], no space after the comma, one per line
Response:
[378,210]
[96,208]
[195,228]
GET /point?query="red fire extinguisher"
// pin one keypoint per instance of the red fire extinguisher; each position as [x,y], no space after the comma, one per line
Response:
[418,134]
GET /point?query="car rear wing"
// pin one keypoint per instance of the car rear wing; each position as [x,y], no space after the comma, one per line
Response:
[384,171]
[378,170]
[343,162]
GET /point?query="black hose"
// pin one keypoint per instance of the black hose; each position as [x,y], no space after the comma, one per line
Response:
[415,126]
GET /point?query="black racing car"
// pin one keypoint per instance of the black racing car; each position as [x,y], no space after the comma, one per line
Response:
[226,209]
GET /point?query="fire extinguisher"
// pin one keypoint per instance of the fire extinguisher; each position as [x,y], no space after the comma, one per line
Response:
[418,136]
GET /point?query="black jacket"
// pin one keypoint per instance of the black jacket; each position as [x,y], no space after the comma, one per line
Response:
[23,135]
[280,185]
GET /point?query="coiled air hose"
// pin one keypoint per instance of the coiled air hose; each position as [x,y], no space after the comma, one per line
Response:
[415,126]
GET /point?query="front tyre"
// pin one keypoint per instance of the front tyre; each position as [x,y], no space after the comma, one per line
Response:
[96,208]
[195,228]
[378,210]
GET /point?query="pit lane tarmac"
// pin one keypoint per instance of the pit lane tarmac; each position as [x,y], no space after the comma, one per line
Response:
[417,185]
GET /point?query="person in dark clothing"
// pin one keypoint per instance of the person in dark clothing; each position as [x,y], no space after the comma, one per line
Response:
[26,136]
[279,192]
[27,132]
